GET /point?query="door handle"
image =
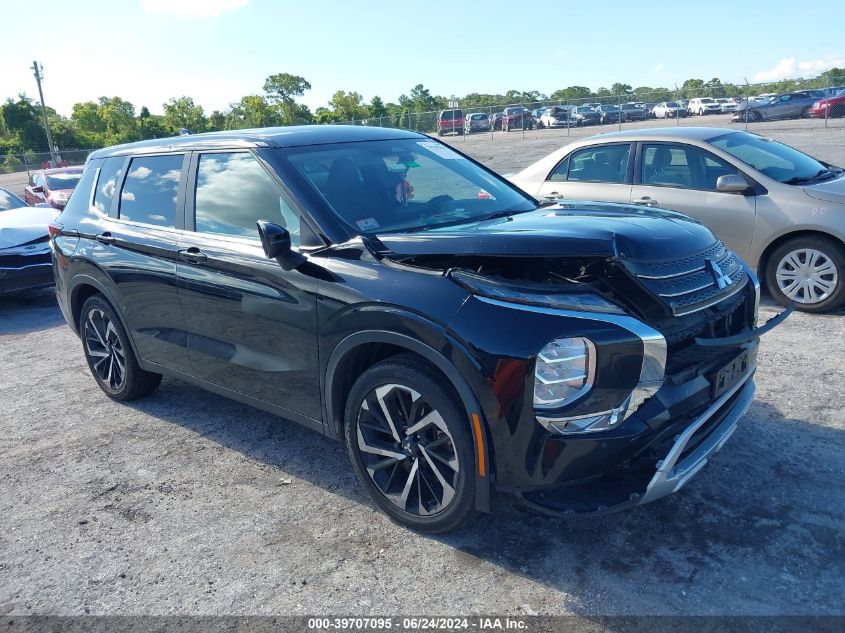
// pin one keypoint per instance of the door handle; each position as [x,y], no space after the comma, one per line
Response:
[193,255]
[105,238]
[645,200]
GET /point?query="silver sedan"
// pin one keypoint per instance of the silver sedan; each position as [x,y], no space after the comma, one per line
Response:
[780,209]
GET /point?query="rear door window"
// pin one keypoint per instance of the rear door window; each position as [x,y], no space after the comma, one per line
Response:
[151,189]
[110,175]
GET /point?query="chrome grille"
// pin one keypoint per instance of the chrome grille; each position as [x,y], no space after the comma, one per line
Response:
[692,283]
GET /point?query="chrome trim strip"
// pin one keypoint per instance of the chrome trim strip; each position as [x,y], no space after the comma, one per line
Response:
[688,272]
[672,475]
[669,295]
[43,264]
[737,287]
[653,370]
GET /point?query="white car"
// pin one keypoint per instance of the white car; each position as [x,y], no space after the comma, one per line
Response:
[703,105]
[726,105]
[762,198]
[556,116]
[668,109]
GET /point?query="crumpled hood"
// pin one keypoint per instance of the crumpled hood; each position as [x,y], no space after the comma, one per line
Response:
[832,190]
[571,229]
[19,226]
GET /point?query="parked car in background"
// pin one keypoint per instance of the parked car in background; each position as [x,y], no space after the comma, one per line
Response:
[726,105]
[52,186]
[669,110]
[450,122]
[609,113]
[834,90]
[537,113]
[457,343]
[556,116]
[762,198]
[832,107]
[496,121]
[792,105]
[8,200]
[586,115]
[633,112]
[517,118]
[477,122]
[703,105]
[25,260]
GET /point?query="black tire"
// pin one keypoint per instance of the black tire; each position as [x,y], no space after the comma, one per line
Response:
[755,116]
[805,113]
[831,252]
[411,479]
[837,111]
[105,343]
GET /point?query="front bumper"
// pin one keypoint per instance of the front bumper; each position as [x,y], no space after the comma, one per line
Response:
[684,452]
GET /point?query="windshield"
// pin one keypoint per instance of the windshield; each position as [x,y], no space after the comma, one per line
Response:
[401,185]
[672,104]
[8,200]
[63,181]
[776,160]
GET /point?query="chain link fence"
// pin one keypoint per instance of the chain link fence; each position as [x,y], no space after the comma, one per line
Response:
[28,162]
[748,105]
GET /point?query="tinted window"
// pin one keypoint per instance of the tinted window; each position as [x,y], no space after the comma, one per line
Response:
[110,175]
[63,181]
[234,191]
[78,202]
[150,190]
[682,166]
[606,163]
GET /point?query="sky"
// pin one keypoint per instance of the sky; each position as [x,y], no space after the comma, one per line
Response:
[216,51]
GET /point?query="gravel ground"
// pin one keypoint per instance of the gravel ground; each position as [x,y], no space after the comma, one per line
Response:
[187,503]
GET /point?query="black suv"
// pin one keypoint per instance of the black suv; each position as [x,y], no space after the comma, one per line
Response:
[378,286]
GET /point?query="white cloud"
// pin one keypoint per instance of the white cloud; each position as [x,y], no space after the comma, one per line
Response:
[192,8]
[659,67]
[791,68]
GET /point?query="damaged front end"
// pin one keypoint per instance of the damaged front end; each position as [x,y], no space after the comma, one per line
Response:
[624,375]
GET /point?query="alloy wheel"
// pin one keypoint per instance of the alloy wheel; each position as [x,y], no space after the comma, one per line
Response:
[407,449]
[807,275]
[103,346]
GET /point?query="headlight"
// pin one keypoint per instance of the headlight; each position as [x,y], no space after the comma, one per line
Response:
[538,295]
[564,371]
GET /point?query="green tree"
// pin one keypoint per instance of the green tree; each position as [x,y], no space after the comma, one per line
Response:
[377,108]
[348,106]
[281,90]
[182,112]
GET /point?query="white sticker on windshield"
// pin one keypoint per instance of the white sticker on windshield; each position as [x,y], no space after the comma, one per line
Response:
[441,150]
[367,224]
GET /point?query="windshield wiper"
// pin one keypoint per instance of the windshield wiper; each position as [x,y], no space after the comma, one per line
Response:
[822,174]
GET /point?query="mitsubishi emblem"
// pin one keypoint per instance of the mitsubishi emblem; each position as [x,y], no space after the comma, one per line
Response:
[722,280]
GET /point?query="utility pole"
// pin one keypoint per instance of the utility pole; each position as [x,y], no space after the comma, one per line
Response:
[37,71]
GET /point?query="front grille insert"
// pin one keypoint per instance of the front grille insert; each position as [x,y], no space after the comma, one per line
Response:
[692,283]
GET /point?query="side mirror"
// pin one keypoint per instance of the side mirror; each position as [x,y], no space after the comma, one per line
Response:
[275,240]
[731,183]
[38,189]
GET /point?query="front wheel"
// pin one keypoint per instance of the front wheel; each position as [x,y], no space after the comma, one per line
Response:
[809,271]
[410,445]
[109,354]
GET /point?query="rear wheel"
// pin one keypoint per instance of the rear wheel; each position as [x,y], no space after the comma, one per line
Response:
[410,445]
[809,271]
[109,354]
